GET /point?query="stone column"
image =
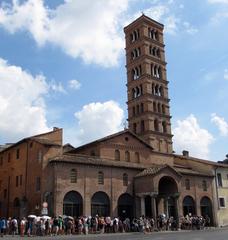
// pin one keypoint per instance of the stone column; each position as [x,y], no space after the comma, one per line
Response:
[143,210]
[160,206]
[166,210]
[176,199]
[154,208]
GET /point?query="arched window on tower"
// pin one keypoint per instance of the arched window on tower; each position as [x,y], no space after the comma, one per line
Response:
[136,72]
[159,107]
[138,92]
[156,126]
[134,127]
[155,71]
[160,91]
[164,127]
[154,106]
[137,109]
[73,176]
[141,89]
[153,89]
[142,107]
[163,108]
[117,155]
[135,53]
[156,90]
[133,111]
[154,51]
[159,72]
[133,93]
[138,52]
[142,126]
[125,179]
[134,35]
[158,53]
[153,34]
[127,156]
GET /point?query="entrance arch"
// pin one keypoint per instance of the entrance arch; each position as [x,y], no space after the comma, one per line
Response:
[188,206]
[167,196]
[100,204]
[125,206]
[206,207]
[72,204]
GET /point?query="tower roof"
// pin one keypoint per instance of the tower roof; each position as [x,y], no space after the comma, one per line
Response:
[145,18]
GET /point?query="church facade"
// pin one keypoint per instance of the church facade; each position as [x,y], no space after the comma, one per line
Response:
[135,169]
[128,174]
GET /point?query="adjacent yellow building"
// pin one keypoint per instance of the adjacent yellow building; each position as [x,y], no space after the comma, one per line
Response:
[221,173]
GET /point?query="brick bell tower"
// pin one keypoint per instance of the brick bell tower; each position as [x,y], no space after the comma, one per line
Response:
[147,85]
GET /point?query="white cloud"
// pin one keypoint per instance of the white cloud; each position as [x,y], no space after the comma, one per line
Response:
[22,107]
[74,84]
[31,15]
[190,29]
[85,29]
[163,13]
[188,135]
[97,120]
[220,123]
[226,74]
[57,87]
[160,13]
[218,1]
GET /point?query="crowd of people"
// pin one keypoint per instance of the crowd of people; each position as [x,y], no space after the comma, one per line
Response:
[46,226]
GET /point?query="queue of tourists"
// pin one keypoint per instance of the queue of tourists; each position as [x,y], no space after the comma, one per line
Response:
[47,226]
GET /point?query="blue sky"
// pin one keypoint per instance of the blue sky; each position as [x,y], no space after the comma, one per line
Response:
[62,63]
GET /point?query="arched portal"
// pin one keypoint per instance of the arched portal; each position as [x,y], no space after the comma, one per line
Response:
[188,206]
[72,204]
[167,195]
[125,206]
[100,204]
[206,208]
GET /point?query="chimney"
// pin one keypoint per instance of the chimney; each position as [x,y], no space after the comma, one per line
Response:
[55,128]
[185,153]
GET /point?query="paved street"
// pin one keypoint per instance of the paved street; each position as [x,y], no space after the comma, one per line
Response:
[217,234]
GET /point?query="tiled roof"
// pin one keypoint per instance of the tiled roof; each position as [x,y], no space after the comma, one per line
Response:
[112,136]
[157,168]
[37,138]
[45,141]
[150,171]
[192,172]
[82,159]
[204,161]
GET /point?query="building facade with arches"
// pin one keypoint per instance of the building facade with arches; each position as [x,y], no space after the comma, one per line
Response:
[128,174]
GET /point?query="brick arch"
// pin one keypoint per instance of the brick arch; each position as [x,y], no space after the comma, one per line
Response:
[100,204]
[67,190]
[169,174]
[189,205]
[73,204]
[167,184]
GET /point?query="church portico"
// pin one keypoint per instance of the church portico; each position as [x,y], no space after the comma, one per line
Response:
[158,190]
